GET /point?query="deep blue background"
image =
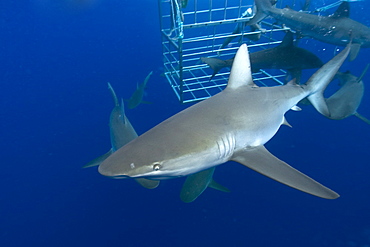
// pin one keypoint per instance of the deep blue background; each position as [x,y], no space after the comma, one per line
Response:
[55,60]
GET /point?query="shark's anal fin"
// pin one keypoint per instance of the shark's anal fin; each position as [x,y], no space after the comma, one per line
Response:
[261,160]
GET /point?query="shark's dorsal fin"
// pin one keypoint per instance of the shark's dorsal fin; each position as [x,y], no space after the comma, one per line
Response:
[287,40]
[241,74]
[342,11]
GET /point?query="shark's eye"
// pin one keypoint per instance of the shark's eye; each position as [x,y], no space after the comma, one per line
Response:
[156,167]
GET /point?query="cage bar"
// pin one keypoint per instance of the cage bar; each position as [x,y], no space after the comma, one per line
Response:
[198,30]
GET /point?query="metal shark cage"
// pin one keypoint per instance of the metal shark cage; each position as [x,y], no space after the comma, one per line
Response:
[198,30]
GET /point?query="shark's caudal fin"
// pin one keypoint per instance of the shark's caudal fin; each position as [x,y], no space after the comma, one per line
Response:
[362,117]
[320,80]
[262,161]
[263,7]
[216,64]
[99,160]
[116,103]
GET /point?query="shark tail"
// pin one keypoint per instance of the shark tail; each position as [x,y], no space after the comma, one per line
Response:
[216,64]
[362,117]
[263,9]
[116,103]
[321,79]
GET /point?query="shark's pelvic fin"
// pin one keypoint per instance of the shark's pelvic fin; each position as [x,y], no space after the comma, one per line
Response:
[261,160]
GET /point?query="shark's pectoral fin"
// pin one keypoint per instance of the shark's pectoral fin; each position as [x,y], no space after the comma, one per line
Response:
[362,117]
[97,161]
[261,160]
[355,49]
[195,184]
[146,183]
[214,185]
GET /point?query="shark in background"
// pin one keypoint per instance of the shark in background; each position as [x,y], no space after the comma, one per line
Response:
[137,97]
[232,125]
[337,29]
[285,56]
[121,133]
[196,184]
[344,102]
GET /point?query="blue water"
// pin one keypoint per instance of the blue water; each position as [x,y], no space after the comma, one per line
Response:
[55,60]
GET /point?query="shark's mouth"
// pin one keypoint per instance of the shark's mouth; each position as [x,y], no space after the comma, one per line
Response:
[120,177]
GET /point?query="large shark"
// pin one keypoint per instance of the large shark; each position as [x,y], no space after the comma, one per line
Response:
[285,56]
[336,29]
[231,125]
[121,133]
[344,102]
[137,97]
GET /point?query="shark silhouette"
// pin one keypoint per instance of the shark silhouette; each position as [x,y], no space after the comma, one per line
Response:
[346,100]
[285,56]
[336,29]
[137,97]
[121,133]
[231,125]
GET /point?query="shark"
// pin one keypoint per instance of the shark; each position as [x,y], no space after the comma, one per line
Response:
[197,183]
[337,29]
[344,102]
[285,56]
[137,97]
[233,125]
[121,133]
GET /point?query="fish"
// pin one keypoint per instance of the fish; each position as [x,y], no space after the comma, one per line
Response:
[344,102]
[285,56]
[254,34]
[337,29]
[137,97]
[121,133]
[233,125]
[195,184]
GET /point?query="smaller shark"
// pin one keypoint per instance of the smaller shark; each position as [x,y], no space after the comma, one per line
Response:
[336,29]
[346,100]
[121,133]
[285,56]
[196,183]
[137,96]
